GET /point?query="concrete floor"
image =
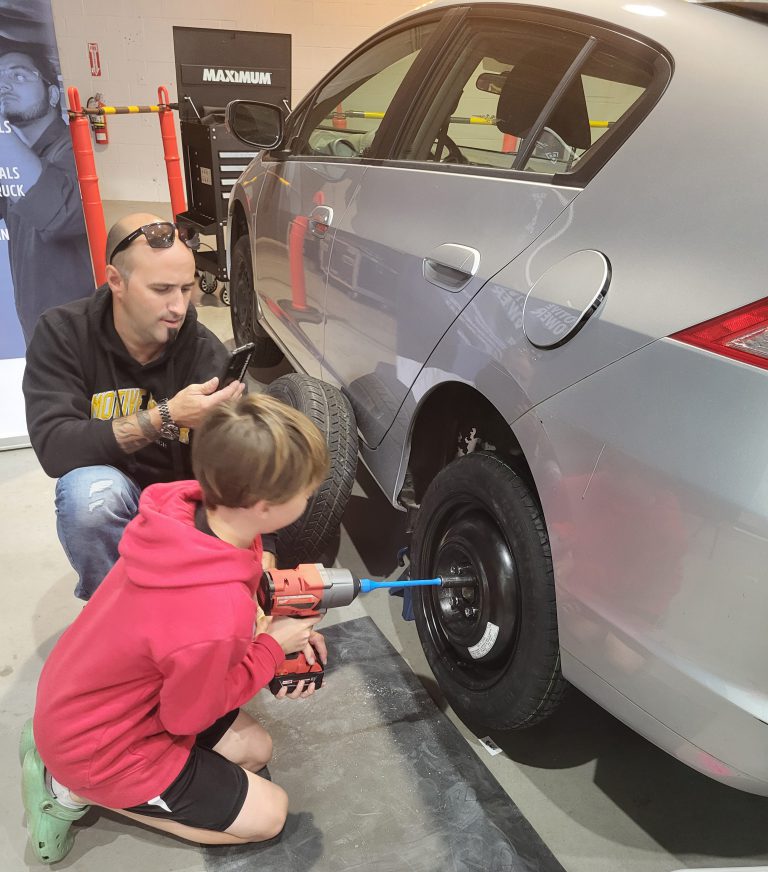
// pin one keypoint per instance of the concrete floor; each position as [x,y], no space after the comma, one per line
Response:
[602,798]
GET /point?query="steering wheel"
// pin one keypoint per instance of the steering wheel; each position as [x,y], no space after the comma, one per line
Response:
[454,152]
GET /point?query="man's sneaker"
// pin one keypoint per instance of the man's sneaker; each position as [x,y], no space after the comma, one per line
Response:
[48,821]
[27,741]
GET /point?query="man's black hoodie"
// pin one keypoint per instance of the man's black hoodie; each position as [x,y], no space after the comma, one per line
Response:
[75,364]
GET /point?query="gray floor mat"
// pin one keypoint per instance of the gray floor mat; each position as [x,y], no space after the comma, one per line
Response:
[380,780]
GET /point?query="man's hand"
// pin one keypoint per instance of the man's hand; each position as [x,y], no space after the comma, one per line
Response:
[192,404]
[268,560]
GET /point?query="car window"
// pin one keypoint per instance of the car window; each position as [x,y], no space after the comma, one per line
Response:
[602,94]
[480,113]
[498,87]
[349,109]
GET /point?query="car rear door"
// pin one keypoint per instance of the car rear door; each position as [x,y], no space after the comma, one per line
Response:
[445,210]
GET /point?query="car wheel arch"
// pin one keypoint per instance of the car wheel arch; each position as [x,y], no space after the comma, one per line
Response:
[238,223]
[455,418]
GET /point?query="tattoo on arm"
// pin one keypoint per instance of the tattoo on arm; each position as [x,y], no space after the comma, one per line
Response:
[134,431]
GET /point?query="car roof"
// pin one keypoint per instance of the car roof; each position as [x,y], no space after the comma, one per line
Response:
[664,20]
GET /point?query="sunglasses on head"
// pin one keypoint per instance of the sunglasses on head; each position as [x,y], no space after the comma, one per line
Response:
[161,234]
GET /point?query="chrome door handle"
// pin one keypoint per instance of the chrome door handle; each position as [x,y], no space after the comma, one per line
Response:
[320,220]
[451,266]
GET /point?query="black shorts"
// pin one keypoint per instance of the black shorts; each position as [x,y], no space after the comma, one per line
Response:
[210,790]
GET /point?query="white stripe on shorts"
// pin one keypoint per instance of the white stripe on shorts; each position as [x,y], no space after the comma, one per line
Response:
[160,803]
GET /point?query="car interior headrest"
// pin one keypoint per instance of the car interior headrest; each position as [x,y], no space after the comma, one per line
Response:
[527,88]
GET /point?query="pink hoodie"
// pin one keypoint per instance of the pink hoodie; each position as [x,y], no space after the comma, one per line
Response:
[163,648]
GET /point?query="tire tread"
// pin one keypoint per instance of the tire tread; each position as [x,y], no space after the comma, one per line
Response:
[306,540]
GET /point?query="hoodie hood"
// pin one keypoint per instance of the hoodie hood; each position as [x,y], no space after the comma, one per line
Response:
[150,544]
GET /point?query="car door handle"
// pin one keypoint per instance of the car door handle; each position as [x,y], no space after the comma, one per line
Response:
[451,266]
[320,220]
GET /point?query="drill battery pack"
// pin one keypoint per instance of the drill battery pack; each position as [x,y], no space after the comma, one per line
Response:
[289,675]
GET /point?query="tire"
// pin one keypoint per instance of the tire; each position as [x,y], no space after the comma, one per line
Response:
[307,540]
[480,515]
[245,326]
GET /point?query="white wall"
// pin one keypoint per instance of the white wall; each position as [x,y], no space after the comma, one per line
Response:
[136,47]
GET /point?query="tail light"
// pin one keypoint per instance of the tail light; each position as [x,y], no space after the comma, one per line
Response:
[741,334]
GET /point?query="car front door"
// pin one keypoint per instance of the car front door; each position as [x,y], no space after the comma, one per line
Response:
[308,188]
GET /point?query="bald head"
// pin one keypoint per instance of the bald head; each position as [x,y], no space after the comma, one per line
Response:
[119,230]
[123,260]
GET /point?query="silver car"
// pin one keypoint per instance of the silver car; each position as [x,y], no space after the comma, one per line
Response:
[528,244]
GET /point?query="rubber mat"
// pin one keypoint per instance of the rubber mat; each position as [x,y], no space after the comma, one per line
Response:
[379,779]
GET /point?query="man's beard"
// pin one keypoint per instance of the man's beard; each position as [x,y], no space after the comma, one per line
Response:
[18,115]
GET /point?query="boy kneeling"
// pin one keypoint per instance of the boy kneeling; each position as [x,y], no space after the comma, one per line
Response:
[137,704]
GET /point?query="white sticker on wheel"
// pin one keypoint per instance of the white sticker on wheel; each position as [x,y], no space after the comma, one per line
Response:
[486,643]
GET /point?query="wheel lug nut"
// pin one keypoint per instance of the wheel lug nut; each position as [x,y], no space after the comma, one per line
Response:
[470,612]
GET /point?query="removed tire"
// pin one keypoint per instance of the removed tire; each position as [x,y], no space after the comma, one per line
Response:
[306,540]
[242,300]
[491,640]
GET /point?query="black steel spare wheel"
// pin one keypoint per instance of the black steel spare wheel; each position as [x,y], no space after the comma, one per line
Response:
[242,301]
[307,539]
[491,637]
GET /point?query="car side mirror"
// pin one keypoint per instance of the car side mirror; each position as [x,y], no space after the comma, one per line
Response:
[256,124]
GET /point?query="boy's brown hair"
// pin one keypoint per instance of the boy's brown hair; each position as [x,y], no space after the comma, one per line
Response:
[257,448]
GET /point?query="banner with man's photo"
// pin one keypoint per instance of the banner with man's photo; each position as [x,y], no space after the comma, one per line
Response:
[44,257]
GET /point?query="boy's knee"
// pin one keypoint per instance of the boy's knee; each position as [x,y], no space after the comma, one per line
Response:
[260,754]
[274,818]
[249,747]
[263,818]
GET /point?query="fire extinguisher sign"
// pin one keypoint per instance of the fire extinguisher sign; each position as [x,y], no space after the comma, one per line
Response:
[93,57]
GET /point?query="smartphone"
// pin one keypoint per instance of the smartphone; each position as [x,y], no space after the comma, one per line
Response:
[236,365]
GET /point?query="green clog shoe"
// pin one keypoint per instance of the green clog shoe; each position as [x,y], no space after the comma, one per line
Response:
[48,821]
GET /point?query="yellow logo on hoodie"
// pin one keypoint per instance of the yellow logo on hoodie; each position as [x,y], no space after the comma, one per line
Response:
[105,406]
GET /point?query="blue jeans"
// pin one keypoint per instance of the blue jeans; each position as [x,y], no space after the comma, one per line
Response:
[93,506]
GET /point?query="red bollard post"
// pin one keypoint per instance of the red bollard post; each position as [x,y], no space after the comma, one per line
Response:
[339,119]
[296,236]
[171,152]
[80,131]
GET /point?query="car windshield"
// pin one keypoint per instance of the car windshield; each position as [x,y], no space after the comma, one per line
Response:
[754,11]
